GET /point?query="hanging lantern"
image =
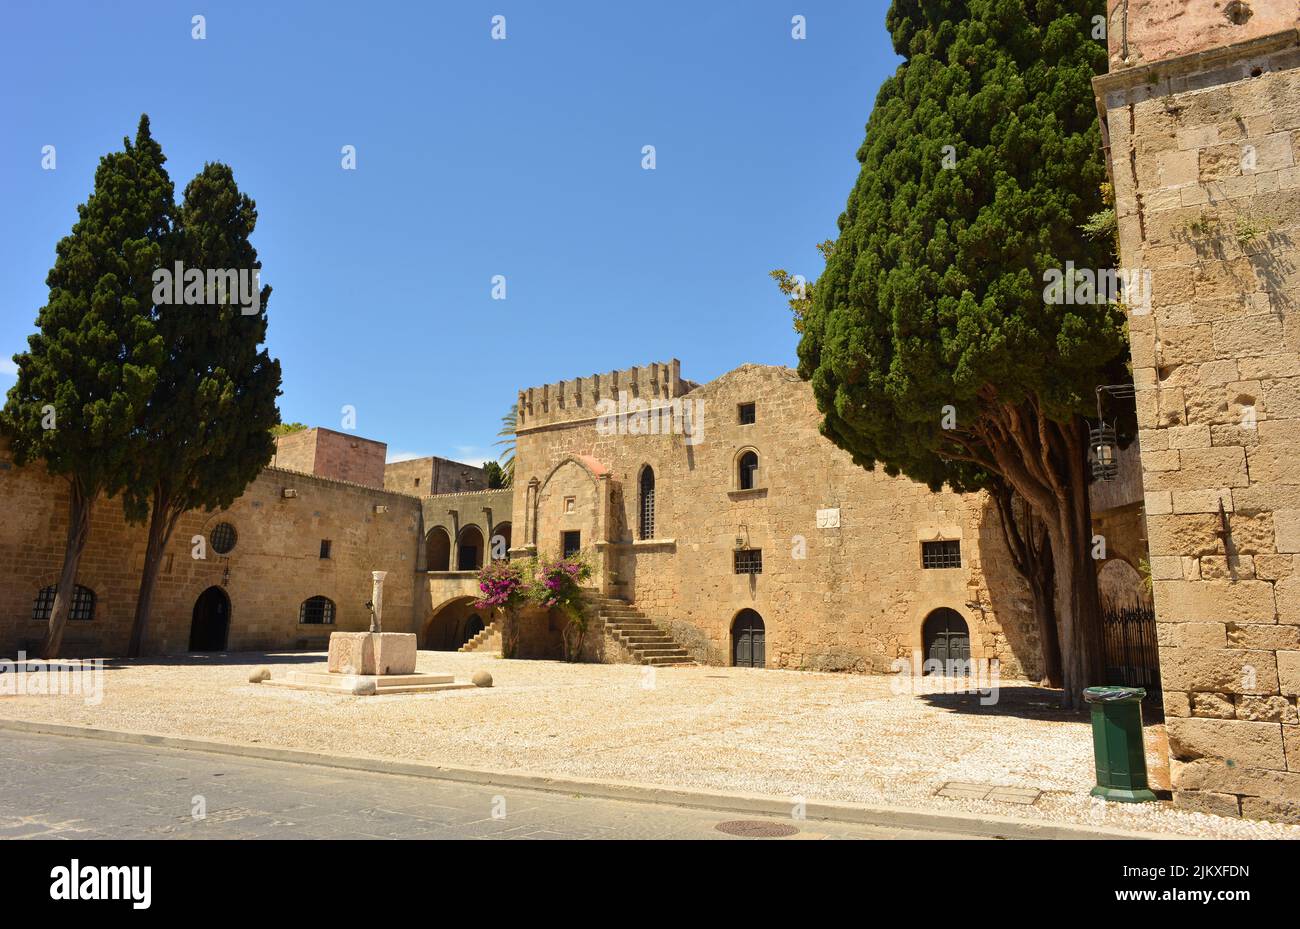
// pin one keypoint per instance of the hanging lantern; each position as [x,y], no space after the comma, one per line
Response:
[1103,451]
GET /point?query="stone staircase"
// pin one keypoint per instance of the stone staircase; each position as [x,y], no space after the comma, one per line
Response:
[487,640]
[637,634]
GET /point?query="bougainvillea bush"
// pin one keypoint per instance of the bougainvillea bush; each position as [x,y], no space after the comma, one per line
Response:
[506,587]
[558,585]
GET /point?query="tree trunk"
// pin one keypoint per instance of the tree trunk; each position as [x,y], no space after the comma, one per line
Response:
[509,631]
[1045,463]
[1043,588]
[79,506]
[162,522]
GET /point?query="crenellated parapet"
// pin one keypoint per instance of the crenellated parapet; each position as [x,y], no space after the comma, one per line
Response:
[579,398]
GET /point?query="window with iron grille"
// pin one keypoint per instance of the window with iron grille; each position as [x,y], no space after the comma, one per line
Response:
[222,538]
[749,561]
[942,554]
[82,610]
[646,529]
[747,414]
[317,611]
[571,543]
[324,548]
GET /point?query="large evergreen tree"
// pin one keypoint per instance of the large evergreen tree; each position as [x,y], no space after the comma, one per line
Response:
[932,300]
[84,382]
[210,419]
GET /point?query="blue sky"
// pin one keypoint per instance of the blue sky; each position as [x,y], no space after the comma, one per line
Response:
[474,158]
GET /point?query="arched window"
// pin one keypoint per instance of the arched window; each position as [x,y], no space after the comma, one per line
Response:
[748,470]
[83,604]
[646,511]
[316,611]
[437,549]
[469,549]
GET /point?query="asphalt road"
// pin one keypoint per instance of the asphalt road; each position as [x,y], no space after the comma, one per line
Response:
[56,787]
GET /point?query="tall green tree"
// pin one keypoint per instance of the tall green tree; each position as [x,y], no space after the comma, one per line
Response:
[929,340]
[209,422]
[84,382]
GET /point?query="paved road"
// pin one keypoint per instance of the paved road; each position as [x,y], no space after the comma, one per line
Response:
[63,787]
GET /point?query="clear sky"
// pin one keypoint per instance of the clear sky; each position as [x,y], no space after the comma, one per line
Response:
[474,158]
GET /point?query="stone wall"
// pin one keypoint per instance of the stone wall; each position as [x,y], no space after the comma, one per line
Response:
[1205,156]
[273,567]
[433,475]
[849,594]
[336,455]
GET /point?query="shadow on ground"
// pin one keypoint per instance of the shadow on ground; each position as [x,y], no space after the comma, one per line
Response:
[1028,702]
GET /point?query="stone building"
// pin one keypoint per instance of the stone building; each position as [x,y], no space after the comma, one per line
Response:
[751,540]
[1201,108]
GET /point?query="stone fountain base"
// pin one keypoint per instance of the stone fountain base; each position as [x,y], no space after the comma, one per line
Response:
[369,663]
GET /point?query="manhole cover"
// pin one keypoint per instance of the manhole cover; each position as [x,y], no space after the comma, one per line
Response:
[756,829]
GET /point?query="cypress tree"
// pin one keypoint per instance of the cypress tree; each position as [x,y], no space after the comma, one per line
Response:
[84,382]
[928,340]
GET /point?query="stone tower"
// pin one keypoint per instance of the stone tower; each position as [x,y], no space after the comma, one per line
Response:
[1201,109]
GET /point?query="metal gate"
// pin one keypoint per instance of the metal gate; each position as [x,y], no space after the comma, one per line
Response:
[1129,640]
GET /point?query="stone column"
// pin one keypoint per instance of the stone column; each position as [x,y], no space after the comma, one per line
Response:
[377,598]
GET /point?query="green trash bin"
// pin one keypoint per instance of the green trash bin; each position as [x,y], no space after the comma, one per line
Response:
[1117,744]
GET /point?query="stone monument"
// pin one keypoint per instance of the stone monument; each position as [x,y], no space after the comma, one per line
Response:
[374,662]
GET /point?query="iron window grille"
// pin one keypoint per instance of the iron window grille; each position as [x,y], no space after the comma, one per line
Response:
[647,522]
[572,543]
[81,611]
[324,548]
[222,538]
[316,611]
[942,554]
[748,415]
[749,561]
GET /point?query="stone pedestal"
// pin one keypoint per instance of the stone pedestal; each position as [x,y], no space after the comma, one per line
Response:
[372,653]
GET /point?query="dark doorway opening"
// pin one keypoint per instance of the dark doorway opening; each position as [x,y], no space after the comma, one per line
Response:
[947,640]
[211,623]
[748,640]
[473,626]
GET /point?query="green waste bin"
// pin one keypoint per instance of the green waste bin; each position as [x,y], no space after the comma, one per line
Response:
[1117,744]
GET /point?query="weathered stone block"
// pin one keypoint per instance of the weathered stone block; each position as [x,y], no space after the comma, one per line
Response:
[1258,636]
[1216,601]
[1276,811]
[367,653]
[1201,635]
[1286,528]
[1238,671]
[1273,709]
[1215,706]
[1288,673]
[1205,801]
[1248,744]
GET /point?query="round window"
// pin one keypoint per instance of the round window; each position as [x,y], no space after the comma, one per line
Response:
[222,538]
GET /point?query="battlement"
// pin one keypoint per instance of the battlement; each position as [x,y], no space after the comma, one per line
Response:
[564,401]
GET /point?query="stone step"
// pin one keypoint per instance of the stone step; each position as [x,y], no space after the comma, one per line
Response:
[666,660]
[661,650]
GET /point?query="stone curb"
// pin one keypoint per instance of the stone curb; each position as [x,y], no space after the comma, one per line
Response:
[910,818]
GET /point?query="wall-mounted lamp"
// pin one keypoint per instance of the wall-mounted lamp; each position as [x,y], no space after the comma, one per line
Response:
[1103,443]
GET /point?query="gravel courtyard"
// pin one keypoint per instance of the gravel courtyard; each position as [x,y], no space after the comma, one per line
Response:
[782,733]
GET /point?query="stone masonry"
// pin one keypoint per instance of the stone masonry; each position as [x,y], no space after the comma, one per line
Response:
[1202,110]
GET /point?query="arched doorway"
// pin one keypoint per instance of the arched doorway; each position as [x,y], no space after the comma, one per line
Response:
[452,625]
[946,638]
[748,640]
[469,549]
[437,549]
[210,625]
